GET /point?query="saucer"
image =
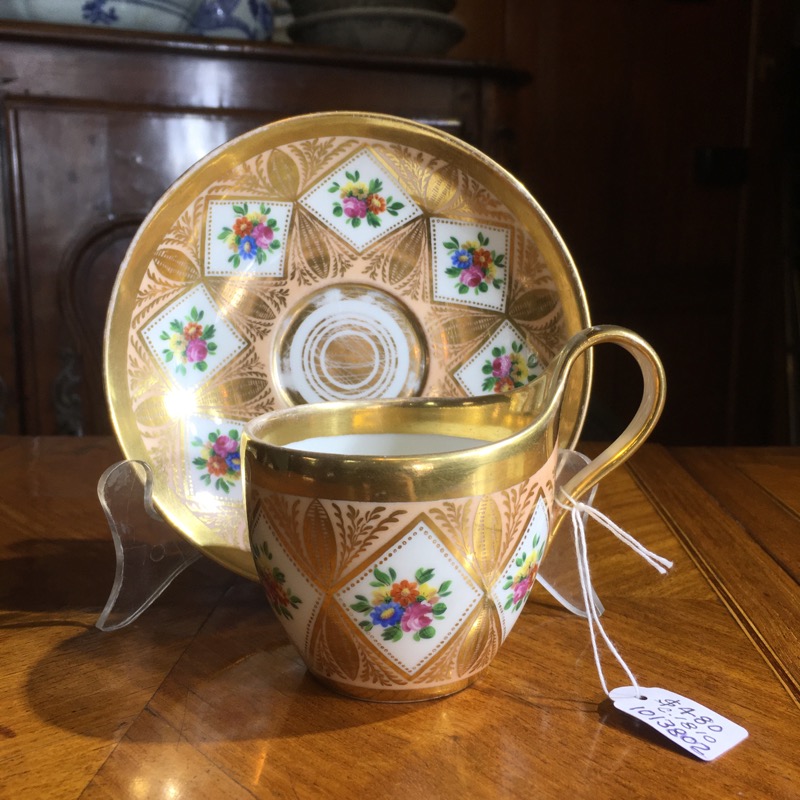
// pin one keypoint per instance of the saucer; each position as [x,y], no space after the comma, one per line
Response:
[325,257]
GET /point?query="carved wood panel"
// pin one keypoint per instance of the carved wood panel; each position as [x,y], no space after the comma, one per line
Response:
[96,125]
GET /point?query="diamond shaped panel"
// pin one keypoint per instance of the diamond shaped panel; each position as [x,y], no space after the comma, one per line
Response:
[361,201]
[514,586]
[246,237]
[191,340]
[213,466]
[412,600]
[293,597]
[504,363]
[470,263]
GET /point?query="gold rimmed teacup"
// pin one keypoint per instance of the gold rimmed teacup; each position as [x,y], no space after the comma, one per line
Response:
[398,540]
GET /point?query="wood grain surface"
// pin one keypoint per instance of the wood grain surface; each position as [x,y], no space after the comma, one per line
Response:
[204,697]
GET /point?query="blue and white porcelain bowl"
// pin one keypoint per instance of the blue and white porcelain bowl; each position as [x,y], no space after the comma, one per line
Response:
[166,16]
[234,19]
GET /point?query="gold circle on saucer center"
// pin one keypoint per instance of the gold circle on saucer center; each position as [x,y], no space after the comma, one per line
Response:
[346,342]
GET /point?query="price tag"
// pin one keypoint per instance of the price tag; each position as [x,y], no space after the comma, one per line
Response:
[698,729]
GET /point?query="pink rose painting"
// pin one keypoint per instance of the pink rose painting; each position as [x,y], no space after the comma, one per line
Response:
[509,370]
[520,581]
[251,237]
[218,459]
[474,265]
[405,606]
[362,200]
[189,343]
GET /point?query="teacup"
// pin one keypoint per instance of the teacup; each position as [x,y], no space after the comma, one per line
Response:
[399,540]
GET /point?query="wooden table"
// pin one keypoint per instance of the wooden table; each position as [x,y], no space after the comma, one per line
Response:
[203,696]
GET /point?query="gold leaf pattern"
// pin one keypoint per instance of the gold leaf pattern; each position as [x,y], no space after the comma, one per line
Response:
[412,168]
[453,520]
[283,514]
[315,155]
[444,386]
[403,260]
[169,274]
[186,230]
[441,190]
[148,386]
[480,642]
[487,537]
[284,175]
[175,266]
[251,304]
[460,332]
[534,304]
[240,390]
[251,178]
[376,675]
[518,502]
[358,528]
[454,194]
[165,450]
[319,543]
[547,336]
[332,651]
[314,253]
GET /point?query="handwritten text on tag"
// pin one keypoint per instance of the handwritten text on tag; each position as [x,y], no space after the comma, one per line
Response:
[698,729]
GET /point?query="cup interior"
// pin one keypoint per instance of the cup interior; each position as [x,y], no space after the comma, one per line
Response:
[385,444]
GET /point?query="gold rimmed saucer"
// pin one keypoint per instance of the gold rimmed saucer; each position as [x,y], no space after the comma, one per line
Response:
[325,257]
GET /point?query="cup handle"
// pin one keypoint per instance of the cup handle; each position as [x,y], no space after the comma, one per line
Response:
[646,417]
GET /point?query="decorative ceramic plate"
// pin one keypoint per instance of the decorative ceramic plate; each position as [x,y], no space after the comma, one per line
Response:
[325,257]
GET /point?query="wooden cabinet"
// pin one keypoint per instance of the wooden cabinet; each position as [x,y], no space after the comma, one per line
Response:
[657,142]
[96,125]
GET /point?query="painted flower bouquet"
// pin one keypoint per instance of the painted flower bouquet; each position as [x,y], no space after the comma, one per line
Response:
[506,371]
[474,264]
[219,459]
[279,596]
[362,201]
[401,607]
[521,582]
[252,236]
[189,343]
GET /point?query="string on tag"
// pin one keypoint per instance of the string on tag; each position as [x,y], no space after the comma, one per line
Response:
[577,509]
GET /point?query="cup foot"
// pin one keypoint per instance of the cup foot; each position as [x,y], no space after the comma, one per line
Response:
[406,694]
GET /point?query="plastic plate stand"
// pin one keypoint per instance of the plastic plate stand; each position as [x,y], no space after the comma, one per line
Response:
[559,571]
[150,554]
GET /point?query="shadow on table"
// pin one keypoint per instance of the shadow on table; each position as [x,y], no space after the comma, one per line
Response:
[209,663]
[208,659]
[56,575]
[612,717]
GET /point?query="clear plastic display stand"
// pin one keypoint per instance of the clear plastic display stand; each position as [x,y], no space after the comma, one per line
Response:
[150,554]
[559,571]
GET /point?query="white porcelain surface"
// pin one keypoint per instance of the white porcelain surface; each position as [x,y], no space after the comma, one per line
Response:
[168,16]
[386,444]
[234,19]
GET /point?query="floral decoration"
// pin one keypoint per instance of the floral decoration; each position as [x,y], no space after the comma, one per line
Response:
[474,264]
[252,235]
[219,459]
[506,371]
[189,343]
[280,597]
[403,607]
[93,11]
[520,582]
[362,201]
